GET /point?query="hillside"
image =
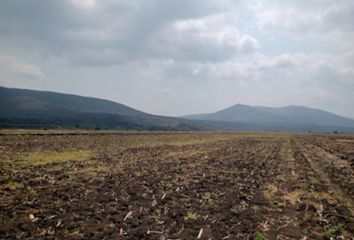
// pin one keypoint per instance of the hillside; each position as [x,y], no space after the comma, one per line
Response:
[36,109]
[307,115]
[289,118]
[19,102]
[21,108]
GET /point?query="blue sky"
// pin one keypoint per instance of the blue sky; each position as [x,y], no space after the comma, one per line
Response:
[183,57]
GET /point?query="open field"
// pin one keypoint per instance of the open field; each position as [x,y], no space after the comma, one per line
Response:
[97,185]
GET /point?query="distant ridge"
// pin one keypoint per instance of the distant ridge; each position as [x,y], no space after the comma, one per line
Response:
[15,100]
[36,109]
[283,118]
[22,108]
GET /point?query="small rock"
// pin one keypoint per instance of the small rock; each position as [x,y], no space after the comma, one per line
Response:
[31,216]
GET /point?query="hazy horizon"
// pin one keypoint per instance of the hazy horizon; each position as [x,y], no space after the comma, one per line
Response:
[183,57]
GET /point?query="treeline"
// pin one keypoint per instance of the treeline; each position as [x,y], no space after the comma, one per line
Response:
[87,124]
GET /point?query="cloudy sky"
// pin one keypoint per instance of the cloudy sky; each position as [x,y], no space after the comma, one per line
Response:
[180,56]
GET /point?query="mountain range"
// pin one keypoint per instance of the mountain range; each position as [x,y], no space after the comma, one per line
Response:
[291,117]
[22,108]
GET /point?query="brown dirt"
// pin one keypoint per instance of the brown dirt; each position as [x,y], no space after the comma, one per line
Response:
[86,185]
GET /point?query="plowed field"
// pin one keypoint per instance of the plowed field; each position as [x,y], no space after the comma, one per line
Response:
[95,185]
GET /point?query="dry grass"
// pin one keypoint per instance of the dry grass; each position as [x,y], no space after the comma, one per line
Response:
[55,157]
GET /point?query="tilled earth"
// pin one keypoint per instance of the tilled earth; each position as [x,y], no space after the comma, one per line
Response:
[96,185]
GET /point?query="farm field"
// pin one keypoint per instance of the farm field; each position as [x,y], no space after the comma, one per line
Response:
[175,185]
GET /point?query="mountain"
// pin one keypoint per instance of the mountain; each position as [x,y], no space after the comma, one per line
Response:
[22,102]
[21,108]
[237,113]
[38,109]
[307,115]
[289,118]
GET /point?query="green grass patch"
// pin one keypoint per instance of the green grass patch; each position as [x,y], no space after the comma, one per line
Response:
[258,236]
[333,231]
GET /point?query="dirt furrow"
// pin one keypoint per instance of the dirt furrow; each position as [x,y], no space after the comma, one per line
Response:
[174,186]
[334,171]
[336,207]
[333,188]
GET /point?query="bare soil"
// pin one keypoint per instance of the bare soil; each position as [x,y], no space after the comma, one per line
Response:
[121,185]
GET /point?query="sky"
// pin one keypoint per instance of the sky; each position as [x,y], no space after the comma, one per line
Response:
[181,57]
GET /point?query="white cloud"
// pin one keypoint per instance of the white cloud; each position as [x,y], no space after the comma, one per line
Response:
[294,17]
[245,68]
[285,72]
[294,51]
[70,29]
[211,38]
[85,3]
[12,67]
